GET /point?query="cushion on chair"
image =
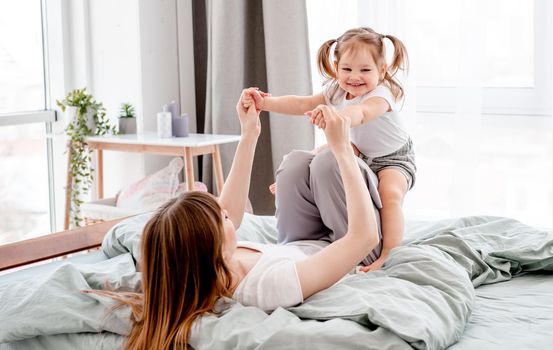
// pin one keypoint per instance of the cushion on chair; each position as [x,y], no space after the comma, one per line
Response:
[152,191]
[198,186]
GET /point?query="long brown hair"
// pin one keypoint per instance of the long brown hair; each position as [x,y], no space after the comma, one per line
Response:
[351,40]
[183,272]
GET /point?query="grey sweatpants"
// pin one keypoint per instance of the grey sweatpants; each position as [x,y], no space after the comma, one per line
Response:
[311,202]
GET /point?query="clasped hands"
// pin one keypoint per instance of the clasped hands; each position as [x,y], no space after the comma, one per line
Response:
[255,97]
[250,125]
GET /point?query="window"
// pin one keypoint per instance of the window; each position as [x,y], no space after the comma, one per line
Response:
[24,204]
[25,152]
[500,47]
[21,56]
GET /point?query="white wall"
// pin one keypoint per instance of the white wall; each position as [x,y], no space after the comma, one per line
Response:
[122,51]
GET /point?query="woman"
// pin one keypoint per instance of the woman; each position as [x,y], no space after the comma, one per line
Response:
[190,257]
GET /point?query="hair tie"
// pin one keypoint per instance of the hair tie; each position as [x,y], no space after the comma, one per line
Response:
[383,37]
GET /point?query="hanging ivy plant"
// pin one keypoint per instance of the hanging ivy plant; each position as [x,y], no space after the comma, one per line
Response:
[90,119]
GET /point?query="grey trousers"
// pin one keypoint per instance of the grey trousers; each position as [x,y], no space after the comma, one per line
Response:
[311,202]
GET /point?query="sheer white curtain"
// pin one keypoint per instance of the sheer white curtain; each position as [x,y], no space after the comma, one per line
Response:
[478,100]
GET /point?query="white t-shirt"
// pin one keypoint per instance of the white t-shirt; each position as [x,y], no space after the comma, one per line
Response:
[377,137]
[273,281]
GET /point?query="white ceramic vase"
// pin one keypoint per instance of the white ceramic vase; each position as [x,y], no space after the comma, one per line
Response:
[71,114]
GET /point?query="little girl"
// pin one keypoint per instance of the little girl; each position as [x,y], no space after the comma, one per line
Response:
[361,86]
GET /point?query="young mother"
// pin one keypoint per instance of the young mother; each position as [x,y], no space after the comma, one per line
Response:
[190,257]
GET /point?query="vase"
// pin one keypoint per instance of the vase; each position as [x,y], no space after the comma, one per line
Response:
[71,114]
[127,125]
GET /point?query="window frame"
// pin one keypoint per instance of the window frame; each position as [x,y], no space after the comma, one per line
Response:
[507,100]
[47,116]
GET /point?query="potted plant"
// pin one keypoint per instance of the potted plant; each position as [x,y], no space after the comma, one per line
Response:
[85,117]
[127,119]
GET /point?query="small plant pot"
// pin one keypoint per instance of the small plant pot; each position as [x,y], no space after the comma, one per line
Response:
[127,125]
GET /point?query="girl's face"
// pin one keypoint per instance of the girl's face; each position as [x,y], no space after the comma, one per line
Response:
[229,243]
[358,73]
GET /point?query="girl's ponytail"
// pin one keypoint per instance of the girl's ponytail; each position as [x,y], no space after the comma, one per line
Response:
[400,61]
[324,63]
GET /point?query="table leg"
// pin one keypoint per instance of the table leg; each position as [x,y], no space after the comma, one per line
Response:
[100,173]
[218,169]
[189,168]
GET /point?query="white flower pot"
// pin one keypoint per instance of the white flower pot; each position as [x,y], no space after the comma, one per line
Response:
[71,114]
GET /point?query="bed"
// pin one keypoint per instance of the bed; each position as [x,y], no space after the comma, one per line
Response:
[463,283]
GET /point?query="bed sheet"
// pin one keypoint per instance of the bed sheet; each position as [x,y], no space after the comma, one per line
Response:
[516,314]
[511,315]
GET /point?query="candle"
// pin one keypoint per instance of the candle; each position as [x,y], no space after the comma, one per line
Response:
[164,121]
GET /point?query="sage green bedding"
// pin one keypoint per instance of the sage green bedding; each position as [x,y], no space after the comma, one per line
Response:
[450,284]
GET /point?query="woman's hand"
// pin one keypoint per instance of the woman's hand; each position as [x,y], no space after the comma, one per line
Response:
[336,129]
[254,96]
[249,117]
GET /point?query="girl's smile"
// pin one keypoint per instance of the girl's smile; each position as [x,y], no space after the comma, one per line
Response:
[358,73]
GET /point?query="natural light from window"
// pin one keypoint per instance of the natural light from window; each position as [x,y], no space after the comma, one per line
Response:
[21,63]
[24,195]
[507,30]
[467,57]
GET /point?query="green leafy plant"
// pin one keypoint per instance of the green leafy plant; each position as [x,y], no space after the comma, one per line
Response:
[77,130]
[126,111]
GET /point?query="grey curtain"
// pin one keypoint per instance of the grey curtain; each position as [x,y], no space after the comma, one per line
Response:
[253,43]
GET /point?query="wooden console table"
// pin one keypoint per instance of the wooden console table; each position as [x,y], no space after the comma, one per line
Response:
[187,147]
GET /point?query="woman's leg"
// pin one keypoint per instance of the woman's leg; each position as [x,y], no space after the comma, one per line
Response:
[329,195]
[298,217]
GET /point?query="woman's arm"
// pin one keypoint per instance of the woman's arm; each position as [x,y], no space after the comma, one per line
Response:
[234,194]
[325,268]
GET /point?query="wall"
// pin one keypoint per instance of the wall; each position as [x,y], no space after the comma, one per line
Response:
[122,51]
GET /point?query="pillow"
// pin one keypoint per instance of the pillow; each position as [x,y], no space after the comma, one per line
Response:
[124,237]
[154,190]
[198,186]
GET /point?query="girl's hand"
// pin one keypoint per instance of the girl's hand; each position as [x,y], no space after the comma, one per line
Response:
[316,117]
[256,97]
[336,129]
[272,188]
[249,118]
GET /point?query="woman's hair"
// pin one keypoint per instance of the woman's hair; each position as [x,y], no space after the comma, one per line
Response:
[354,39]
[183,272]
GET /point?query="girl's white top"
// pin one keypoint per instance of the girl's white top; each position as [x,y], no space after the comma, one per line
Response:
[273,281]
[377,137]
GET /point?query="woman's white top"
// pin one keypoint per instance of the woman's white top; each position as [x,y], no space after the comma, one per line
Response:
[273,281]
[379,136]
